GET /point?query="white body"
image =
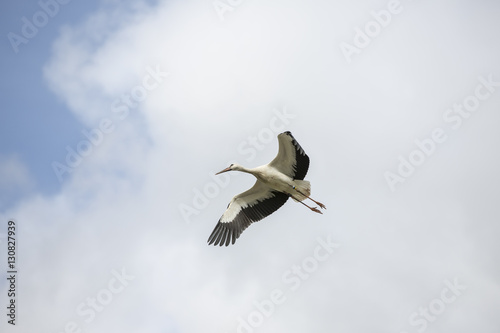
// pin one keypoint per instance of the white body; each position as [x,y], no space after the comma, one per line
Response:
[278,181]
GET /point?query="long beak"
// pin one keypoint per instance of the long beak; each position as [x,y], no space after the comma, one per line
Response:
[225,170]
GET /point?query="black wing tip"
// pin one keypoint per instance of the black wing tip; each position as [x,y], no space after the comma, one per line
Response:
[222,235]
[295,143]
[302,159]
[228,233]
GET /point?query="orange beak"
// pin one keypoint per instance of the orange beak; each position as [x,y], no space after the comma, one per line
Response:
[225,170]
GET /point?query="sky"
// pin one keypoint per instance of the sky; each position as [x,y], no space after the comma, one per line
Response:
[117,115]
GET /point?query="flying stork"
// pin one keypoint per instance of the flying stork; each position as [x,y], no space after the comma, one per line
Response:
[276,181]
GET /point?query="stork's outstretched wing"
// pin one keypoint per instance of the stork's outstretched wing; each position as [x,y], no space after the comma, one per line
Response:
[291,159]
[244,209]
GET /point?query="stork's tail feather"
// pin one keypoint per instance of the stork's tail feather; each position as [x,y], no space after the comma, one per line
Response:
[302,190]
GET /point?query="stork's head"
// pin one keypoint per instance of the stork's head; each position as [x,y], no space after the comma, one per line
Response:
[233,166]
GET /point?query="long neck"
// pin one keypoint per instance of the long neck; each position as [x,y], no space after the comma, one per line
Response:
[247,170]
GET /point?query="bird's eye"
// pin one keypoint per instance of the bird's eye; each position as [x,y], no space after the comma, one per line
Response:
[231,165]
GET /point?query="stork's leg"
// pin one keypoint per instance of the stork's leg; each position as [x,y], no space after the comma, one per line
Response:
[316,202]
[314,209]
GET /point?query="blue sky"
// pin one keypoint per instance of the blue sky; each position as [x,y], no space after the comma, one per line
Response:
[36,125]
[395,102]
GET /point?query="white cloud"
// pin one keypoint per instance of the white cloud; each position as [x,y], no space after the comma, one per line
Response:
[14,174]
[120,206]
[15,179]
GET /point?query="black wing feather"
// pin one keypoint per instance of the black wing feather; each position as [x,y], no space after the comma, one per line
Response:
[227,232]
[302,164]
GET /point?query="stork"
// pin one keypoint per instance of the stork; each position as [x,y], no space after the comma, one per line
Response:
[277,181]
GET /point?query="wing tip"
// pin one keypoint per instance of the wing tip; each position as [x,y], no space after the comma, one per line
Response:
[286,133]
[294,142]
[302,164]
[222,235]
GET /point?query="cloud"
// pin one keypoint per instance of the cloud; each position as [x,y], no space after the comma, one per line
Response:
[15,179]
[119,207]
[14,174]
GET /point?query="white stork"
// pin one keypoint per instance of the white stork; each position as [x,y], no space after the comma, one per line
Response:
[276,182]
